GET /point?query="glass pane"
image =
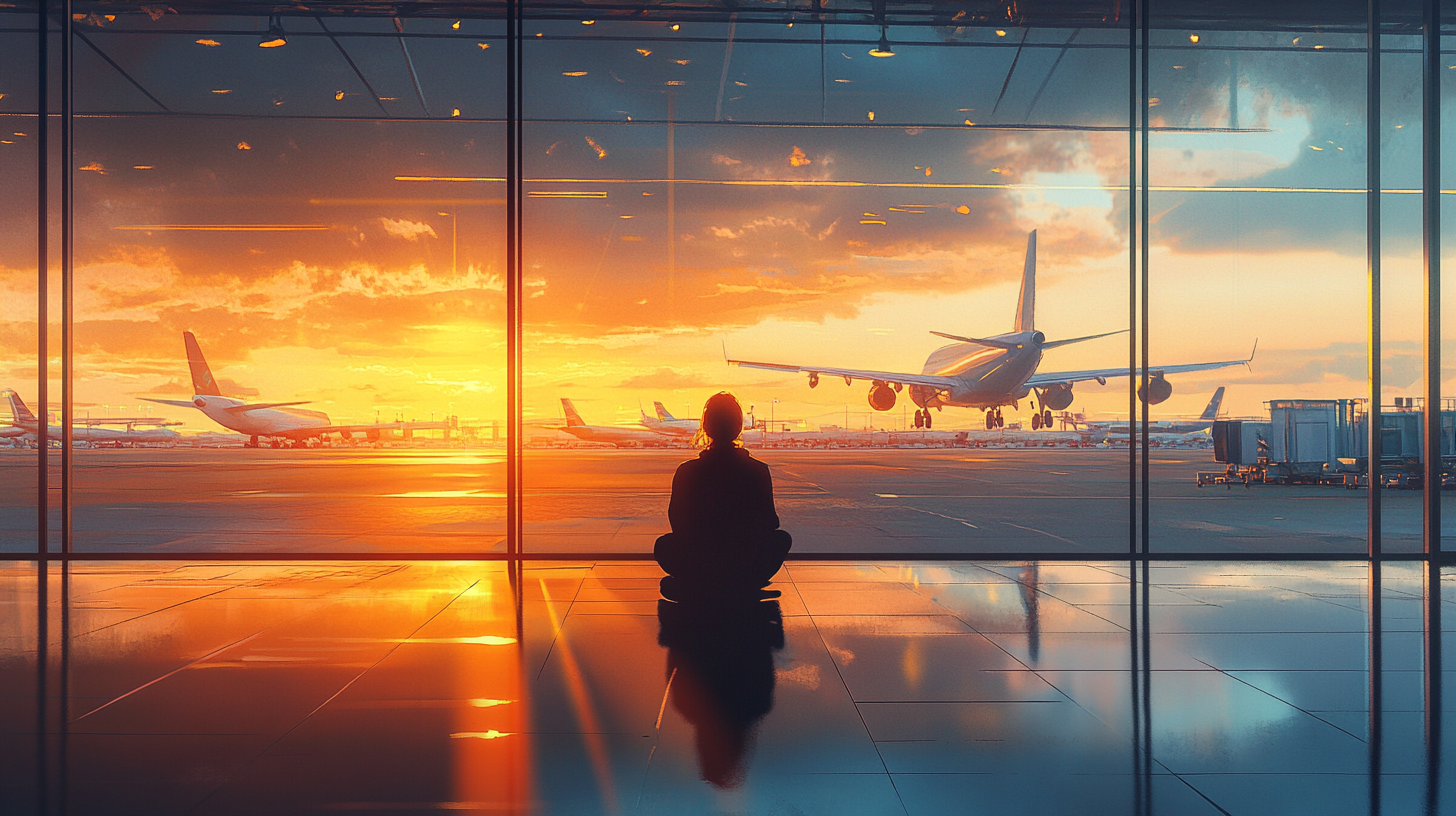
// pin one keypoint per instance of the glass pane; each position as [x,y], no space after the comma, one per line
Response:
[284,341]
[19,285]
[1258,234]
[779,195]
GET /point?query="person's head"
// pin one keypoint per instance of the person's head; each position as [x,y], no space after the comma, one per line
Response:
[722,419]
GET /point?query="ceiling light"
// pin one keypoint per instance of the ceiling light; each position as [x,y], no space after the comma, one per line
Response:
[883,49]
[274,38]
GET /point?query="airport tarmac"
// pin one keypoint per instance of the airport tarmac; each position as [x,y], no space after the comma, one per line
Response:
[598,500]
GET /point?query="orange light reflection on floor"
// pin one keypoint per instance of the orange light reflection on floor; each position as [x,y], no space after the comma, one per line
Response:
[490,742]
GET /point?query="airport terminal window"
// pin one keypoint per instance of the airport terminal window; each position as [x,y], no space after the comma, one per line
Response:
[1243,220]
[806,196]
[19,285]
[788,206]
[295,347]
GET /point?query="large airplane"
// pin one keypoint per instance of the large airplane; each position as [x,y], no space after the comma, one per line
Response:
[276,421]
[989,372]
[87,430]
[615,434]
[666,423]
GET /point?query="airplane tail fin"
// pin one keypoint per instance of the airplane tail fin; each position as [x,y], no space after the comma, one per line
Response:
[1211,412]
[662,413]
[573,419]
[1026,303]
[202,382]
[18,409]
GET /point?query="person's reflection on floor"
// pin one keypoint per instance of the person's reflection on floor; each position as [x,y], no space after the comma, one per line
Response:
[725,540]
[720,677]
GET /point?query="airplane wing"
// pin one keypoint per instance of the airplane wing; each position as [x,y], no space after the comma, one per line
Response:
[178,403]
[1040,380]
[930,380]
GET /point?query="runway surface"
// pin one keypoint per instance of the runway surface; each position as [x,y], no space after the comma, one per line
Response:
[579,501]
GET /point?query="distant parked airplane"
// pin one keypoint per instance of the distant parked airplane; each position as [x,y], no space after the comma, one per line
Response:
[87,429]
[276,421]
[1119,429]
[990,372]
[615,434]
[666,423]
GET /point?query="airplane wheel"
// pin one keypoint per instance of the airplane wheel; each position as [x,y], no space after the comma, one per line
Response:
[1000,420]
[990,420]
[927,419]
[1036,422]
[1046,418]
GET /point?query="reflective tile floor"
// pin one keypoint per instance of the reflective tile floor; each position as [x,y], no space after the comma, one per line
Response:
[568,688]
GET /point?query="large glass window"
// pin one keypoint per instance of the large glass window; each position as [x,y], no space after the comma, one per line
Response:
[911,244]
[1256,214]
[19,281]
[286,342]
[808,197]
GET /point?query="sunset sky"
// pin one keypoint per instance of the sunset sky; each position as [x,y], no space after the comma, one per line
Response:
[367,291]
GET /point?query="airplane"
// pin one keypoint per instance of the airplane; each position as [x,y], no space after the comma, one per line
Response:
[279,422]
[1119,429]
[990,372]
[666,423]
[616,434]
[28,425]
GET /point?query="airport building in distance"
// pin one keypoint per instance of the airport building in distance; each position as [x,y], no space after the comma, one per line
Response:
[356,359]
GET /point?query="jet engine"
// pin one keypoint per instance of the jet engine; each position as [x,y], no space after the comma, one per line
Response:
[1056,397]
[882,396]
[1157,389]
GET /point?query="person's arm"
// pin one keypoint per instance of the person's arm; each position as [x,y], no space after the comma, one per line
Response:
[765,498]
[677,510]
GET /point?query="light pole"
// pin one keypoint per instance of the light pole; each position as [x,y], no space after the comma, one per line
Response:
[771,413]
[454,242]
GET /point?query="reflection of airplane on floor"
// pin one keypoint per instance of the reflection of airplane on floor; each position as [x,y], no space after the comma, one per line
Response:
[1119,429]
[615,434]
[666,423]
[87,430]
[990,372]
[277,421]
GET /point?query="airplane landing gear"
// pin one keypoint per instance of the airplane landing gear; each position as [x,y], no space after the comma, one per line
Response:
[919,419]
[927,419]
[1036,422]
[994,419]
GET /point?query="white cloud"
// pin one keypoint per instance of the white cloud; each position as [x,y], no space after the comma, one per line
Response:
[408,230]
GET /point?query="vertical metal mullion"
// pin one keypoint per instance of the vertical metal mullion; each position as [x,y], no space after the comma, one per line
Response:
[513,278]
[1431,494]
[1132,268]
[1374,451]
[1431,249]
[43,272]
[1143,323]
[67,269]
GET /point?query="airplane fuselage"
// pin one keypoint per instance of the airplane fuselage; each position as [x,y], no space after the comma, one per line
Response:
[615,435]
[672,427]
[987,377]
[295,423]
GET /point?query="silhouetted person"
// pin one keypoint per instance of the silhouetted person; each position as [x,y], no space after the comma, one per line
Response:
[725,540]
[720,674]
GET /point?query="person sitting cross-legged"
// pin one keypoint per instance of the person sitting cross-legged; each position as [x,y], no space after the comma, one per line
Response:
[725,540]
